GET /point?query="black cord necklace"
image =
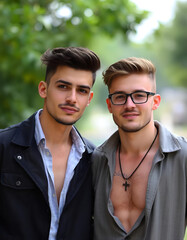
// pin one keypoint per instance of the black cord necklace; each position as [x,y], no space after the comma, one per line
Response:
[126,184]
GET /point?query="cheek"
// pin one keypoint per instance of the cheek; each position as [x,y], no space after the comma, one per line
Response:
[53,99]
[56,95]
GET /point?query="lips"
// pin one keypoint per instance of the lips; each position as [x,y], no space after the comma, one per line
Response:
[130,115]
[69,109]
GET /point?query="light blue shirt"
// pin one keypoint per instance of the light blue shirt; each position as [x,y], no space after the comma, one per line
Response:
[75,155]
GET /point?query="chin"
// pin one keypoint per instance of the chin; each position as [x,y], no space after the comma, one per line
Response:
[130,129]
[134,128]
[66,122]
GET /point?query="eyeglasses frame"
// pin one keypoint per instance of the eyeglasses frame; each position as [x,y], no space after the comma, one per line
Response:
[130,94]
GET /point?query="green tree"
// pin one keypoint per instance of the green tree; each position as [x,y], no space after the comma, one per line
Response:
[170,44]
[28,28]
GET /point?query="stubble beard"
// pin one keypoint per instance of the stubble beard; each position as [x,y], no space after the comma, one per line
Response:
[133,129]
[64,122]
[60,121]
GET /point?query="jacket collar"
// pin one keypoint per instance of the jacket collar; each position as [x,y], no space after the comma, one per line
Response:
[25,133]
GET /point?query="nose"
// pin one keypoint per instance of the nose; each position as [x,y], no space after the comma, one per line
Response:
[129,102]
[71,96]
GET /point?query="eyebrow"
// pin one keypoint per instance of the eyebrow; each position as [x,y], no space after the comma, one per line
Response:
[70,84]
[138,90]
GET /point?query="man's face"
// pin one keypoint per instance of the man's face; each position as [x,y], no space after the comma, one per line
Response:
[132,117]
[67,94]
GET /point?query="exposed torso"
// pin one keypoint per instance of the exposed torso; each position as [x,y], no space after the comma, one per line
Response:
[60,158]
[129,204]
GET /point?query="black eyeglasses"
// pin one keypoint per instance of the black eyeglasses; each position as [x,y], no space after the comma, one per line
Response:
[138,97]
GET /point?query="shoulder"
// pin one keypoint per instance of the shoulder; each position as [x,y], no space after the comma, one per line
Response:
[108,146]
[182,142]
[103,153]
[169,141]
[8,133]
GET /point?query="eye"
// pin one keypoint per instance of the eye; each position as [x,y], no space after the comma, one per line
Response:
[62,86]
[119,96]
[83,91]
[139,95]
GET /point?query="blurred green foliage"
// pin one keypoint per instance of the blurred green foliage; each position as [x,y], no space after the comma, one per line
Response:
[170,44]
[28,28]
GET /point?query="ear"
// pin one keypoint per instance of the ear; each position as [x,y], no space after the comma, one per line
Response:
[90,98]
[156,101]
[109,105]
[42,89]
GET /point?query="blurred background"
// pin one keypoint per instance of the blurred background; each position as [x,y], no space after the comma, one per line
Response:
[114,30]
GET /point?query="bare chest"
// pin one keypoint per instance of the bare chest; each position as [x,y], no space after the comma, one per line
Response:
[130,192]
[128,195]
[59,159]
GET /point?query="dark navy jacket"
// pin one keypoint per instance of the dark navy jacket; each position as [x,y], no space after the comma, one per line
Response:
[24,207]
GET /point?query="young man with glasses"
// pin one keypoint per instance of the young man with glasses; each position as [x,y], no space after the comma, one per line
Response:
[139,173]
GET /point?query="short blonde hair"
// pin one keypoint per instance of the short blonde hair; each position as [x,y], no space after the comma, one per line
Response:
[127,66]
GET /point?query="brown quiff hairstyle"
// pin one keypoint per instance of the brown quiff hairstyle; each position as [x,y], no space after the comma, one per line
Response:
[127,66]
[75,57]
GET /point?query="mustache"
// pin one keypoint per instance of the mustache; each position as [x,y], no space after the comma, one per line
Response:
[130,111]
[69,105]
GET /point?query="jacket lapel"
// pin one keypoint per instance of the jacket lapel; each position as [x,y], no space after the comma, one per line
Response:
[80,173]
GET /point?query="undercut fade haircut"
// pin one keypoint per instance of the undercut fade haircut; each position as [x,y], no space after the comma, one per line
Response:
[128,66]
[75,57]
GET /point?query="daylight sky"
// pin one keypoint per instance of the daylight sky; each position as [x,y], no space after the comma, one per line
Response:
[160,11]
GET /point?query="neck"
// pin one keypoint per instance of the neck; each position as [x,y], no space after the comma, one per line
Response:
[126,178]
[131,142]
[54,132]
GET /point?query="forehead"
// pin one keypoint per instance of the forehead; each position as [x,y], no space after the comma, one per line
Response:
[132,82]
[73,76]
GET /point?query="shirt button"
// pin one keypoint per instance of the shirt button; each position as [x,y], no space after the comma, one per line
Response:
[19,157]
[18,183]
